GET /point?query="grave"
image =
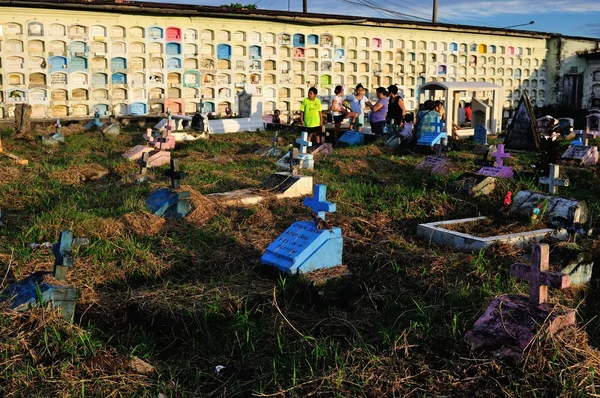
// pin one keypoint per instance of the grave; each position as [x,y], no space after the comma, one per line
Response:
[512,322]
[436,164]
[301,160]
[560,212]
[55,138]
[499,170]
[48,287]
[475,184]
[436,232]
[96,123]
[164,139]
[272,150]
[111,127]
[435,138]
[308,245]
[581,155]
[523,133]
[480,136]
[137,152]
[351,138]
[553,181]
[170,202]
[322,150]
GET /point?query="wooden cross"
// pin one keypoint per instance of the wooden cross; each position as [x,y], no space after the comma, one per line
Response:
[500,155]
[303,142]
[62,255]
[275,139]
[292,161]
[553,181]
[318,204]
[538,275]
[174,173]
[144,163]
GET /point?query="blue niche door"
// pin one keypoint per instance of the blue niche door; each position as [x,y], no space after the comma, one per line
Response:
[255,52]
[173,63]
[313,40]
[173,49]
[57,63]
[119,78]
[299,40]
[79,64]
[137,108]
[223,51]
[118,64]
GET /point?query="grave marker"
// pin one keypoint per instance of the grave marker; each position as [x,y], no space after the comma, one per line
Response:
[523,131]
[56,137]
[500,170]
[553,181]
[351,138]
[170,203]
[431,139]
[583,155]
[480,135]
[308,245]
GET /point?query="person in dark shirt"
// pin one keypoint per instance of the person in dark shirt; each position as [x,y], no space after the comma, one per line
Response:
[396,110]
[276,117]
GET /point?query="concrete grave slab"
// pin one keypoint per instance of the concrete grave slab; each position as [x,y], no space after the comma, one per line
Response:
[158,158]
[136,152]
[582,155]
[435,165]
[560,211]
[475,185]
[436,233]
[351,138]
[169,204]
[278,186]
[322,150]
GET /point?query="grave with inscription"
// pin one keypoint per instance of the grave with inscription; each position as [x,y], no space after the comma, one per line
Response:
[272,150]
[170,202]
[436,164]
[308,245]
[48,288]
[480,135]
[303,160]
[499,170]
[351,138]
[434,138]
[511,322]
[55,138]
[580,153]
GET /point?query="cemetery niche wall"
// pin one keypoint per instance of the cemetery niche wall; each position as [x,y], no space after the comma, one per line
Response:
[207,55]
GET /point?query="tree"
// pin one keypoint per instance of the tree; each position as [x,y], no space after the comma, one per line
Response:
[240,6]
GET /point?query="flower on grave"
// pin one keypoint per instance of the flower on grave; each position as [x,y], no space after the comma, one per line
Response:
[507,201]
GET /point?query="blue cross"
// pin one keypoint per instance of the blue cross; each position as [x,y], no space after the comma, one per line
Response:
[438,124]
[303,142]
[318,204]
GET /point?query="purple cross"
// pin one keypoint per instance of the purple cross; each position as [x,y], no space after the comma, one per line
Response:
[318,204]
[538,275]
[500,155]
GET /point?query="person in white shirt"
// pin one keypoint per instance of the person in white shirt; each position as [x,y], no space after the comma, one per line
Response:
[339,111]
[406,135]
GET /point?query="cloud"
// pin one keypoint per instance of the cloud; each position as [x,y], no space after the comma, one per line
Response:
[520,7]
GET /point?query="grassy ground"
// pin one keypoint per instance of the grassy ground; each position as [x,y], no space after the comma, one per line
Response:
[188,295]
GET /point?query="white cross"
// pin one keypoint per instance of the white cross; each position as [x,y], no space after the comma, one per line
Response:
[303,142]
[553,181]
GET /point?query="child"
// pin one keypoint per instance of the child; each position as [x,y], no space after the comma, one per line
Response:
[406,134]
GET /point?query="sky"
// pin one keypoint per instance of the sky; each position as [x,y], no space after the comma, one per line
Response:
[569,17]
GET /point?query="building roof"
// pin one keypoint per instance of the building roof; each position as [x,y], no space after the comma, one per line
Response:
[459,86]
[156,8]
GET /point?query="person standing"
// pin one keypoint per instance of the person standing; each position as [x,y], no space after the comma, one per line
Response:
[339,111]
[311,115]
[378,112]
[358,102]
[396,110]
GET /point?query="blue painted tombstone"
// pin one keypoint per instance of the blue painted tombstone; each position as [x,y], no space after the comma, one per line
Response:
[57,63]
[55,138]
[96,123]
[173,63]
[118,64]
[209,107]
[313,40]
[173,49]
[167,202]
[578,141]
[453,47]
[119,78]
[480,136]
[431,139]
[79,64]
[255,52]
[351,138]
[299,40]
[155,33]
[223,51]
[44,287]
[442,70]
[308,245]
[137,108]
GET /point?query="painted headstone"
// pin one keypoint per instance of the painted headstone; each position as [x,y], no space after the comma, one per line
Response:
[170,203]
[553,181]
[305,158]
[308,245]
[523,133]
[512,322]
[55,138]
[480,136]
[351,138]
[137,152]
[500,170]
[434,138]
[96,123]
[322,150]
[49,288]
[583,155]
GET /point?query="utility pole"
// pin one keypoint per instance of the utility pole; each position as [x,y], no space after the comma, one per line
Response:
[305,6]
[435,7]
